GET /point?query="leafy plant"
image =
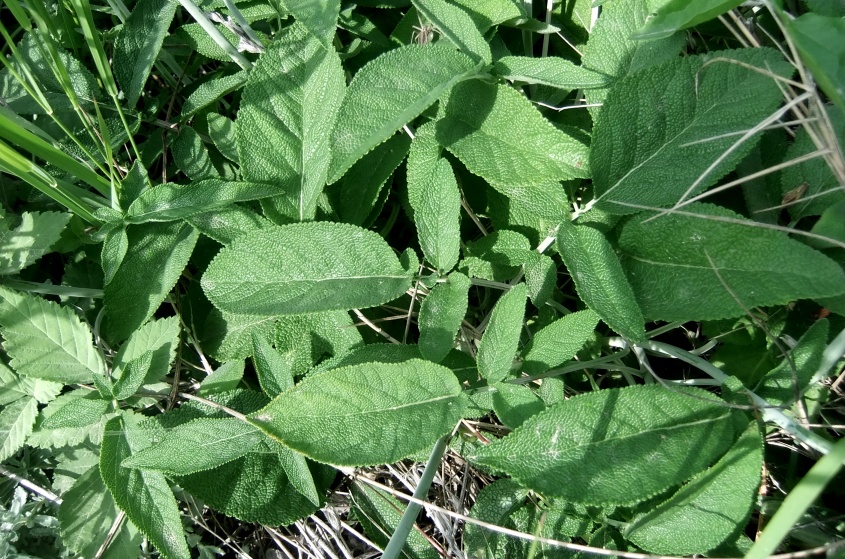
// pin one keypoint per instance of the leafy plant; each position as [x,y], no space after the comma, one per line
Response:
[604,245]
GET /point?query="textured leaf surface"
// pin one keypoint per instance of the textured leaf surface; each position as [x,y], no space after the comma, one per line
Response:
[77,412]
[709,509]
[514,404]
[552,71]
[494,505]
[501,337]
[223,132]
[416,75]
[680,14]
[373,413]
[434,196]
[689,113]
[559,341]
[299,475]
[287,114]
[616,446]
[226,225]
[168,202]
[783,384]
[16,421]
[46,340]
[210,91]
[143,495]
[158,252]
[273,370]
[683,267]
[818,40]
[500,136]
[319,17]
[29,241]
[137,44]
[441,314]
[599,278]
[14,387]
[225,378]
[273,271]
[158,337]
[457,26]
[191,155]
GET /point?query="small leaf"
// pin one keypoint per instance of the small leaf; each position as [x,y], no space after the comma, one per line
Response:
[16,421]
[434,196]
[540,278]
[201,444]
[552,71]
[500,136]
[319,17]
[223,132]
[113,252]
[708,510]
[615,446]
[494,505]
[817,39]
[78,412]
[501,337]
[191,155]
[160,338]
[440,316]
[225,378]
[30,240]
[418,76]
[272,271]
[599,278]
[675,15]
[457,26]
[559,341]
[684,267]
[514,404]
[46,340]
[226,225]
[210,91]
[373,413]
[299,475]
[133,376]
[273,370]
[786,382]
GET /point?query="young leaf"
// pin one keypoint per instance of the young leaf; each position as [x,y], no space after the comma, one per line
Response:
[133,376]
[501,337]
[30,240]
[287,114]
[137,45]
[373,413]
[704,513]
[440,316]
[616,446]
[417,76]
[223,132]
[299,475]
[684,267]
[434,196]
[599,278]
[227,224]
[201,444]
[680,14]
[16,421]
[704,104]
[46,340]
[540,278]
[210,91]
[552,71]
[273,370]
[457,26]
[169,202]
[487,13]
[160,338]
[191,155]
[500,136]
[78,412]
[143,495]
[272,271]
[514,404]
[113,252]
[319,17]
[790,378]
[225,378]
[158,252]
[559,341]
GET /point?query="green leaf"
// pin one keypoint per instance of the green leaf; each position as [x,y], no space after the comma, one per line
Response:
[319,17]
[818,40]
[287,114]
[16,421]
[501,337]
[305,339]
[457,26]
[494,505]
[599,279]
[46,340]
[225,378]
[78,412]
[169,202]
[228,336]
[113,252]
[559,341]
[540,278]
[684,267]
[831,224]
[783,384]
[675,15]
[514,404]
[500,136]
[191,155]
[226,225]
[13,387]
[273,370]
[158,252]
[30,240]
[223,132]
[143,495]
[434,196]
[210,91]
[704,105]
[615,446]
[373,413]
[418,76]
[137,45]
[201,444]
[299,475]
[491,12]
[708,510]
[552,71]
[272,271]
[159,338]
[441,314]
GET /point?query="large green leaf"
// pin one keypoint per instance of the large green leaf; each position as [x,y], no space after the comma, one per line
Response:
[434,196]
[689,112]
[494,505]
[559,341]
[675,15]
[441,314]
[16,421]
[552,71]
[374,413]
[46,340]
[500,340]
[500,136]
[709,509]
[227,224]
[211,91]
[457,26]
[286,117]
[30,240]
[615,446]
[319,17]
[158,252]
[274,270]
[599,278]
[191,155]
[143,495]
[416,76]
[273,369]
[685,267]
[819,42]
